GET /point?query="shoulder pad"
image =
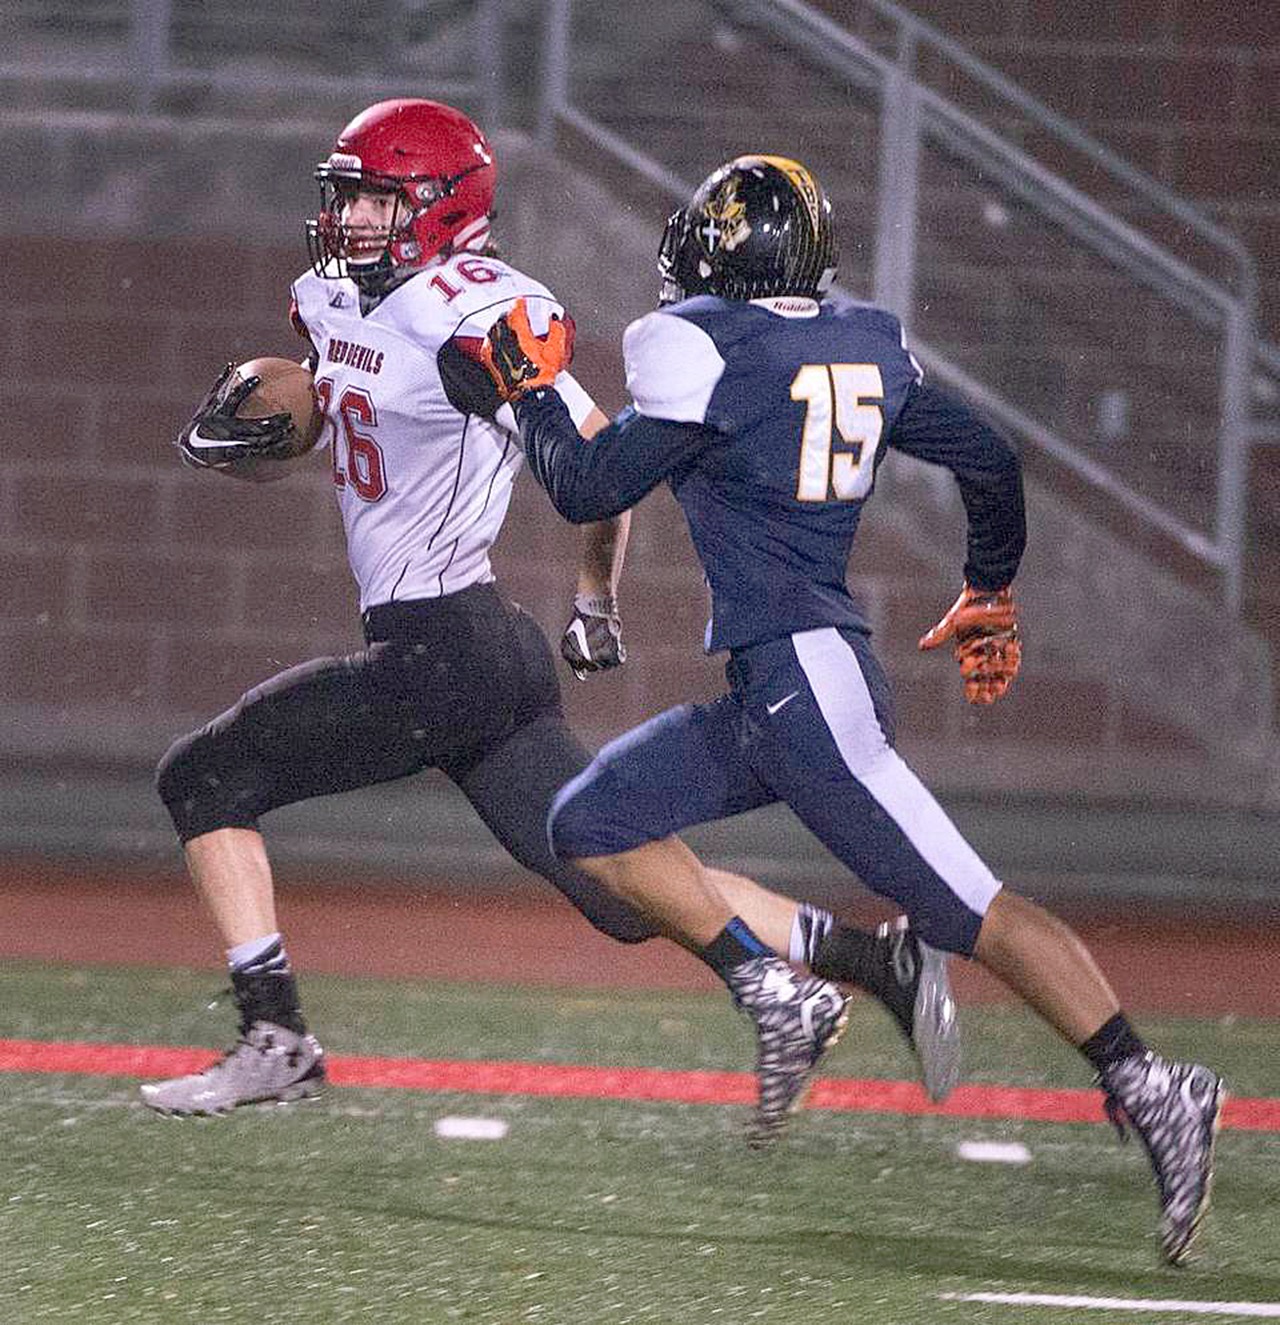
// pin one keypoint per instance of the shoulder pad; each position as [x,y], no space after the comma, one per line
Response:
[673,367]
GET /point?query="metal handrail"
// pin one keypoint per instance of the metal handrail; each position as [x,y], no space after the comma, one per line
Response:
[1025,426]
[795,25]
[920,32]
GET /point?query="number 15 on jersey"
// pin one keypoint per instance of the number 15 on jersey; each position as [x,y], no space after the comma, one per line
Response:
[839,407]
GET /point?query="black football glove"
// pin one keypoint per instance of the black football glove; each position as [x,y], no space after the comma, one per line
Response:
[592,641]
[216,438]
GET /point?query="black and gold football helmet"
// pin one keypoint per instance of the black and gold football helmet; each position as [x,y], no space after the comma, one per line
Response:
[755,227]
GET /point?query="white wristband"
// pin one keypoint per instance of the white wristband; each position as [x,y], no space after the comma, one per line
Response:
[604,605]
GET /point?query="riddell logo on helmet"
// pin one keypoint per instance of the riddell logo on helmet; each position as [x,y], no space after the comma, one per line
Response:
[353,355]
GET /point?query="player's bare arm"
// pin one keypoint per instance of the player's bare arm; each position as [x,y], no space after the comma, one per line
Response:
[592,640]
[517,359]
[604,542]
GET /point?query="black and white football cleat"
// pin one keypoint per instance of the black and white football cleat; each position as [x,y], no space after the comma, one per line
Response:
[1175,1109]
[797,1019]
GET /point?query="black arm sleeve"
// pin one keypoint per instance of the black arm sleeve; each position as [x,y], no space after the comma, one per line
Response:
[466,381]
[940,428]
[596,478]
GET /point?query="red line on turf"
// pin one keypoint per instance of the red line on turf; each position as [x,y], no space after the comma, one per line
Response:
[846,1094]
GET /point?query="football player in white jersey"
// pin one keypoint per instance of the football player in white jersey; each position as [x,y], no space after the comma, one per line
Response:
[403,289]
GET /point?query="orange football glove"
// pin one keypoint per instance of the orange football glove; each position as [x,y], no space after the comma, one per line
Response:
[982,626]
[518,360]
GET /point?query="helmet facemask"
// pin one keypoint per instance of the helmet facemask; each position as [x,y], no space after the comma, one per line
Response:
[433,163]
[675,283]
[377,257]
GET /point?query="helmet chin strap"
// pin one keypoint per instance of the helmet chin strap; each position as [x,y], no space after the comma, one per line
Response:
[376,280]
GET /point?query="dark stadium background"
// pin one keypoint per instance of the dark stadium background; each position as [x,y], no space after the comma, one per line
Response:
[152,228]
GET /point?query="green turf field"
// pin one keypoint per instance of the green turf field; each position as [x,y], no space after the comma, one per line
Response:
[588,1212]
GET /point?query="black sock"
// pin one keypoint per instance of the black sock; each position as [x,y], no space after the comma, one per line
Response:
[846,955]
[854,957]
[732,946]
[1113,1040]
[268,996]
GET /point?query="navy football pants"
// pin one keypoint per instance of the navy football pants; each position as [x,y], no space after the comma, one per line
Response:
[808,721]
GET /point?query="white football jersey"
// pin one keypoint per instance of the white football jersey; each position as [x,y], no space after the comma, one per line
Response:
[423,489]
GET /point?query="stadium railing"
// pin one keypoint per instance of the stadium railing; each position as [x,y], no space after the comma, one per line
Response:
[1101,317]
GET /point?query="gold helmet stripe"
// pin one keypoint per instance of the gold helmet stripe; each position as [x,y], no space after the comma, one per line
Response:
[801,180]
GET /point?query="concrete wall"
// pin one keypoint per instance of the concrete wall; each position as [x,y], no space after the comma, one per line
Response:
[1188,91]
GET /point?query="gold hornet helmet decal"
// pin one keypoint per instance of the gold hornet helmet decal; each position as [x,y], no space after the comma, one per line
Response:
[726,224]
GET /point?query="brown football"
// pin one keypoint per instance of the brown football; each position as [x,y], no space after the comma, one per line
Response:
[286,388]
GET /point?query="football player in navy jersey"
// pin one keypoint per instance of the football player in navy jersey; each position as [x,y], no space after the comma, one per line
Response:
[403,286]
[768,408]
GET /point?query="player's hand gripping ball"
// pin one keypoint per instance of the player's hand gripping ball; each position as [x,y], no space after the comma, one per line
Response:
[982,628]
[518,359]
[264,410]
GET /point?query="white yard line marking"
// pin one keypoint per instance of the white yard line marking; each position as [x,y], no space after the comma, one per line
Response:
[471,1129]
[1269,1309]
[994,1152]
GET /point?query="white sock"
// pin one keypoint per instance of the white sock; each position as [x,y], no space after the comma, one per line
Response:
[261,956]
[809,927]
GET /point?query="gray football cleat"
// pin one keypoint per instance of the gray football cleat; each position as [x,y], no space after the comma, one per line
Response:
[1175,1109]
[797,1019]
[267,1063]
[926,1011]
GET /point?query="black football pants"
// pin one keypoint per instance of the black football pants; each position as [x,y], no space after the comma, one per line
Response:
[465,683]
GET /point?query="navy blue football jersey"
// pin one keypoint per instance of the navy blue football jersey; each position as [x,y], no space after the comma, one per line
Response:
[769,421]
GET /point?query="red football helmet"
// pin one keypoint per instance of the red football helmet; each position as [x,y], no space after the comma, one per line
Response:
[435,165]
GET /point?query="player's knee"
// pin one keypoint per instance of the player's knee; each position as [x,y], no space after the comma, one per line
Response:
[586,820]
[173,772]
[950,926]
[199,794]
[567,824]
[563,834]
[576,835]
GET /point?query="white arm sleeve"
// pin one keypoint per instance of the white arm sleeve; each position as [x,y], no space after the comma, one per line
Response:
[577,401]
[673,367]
